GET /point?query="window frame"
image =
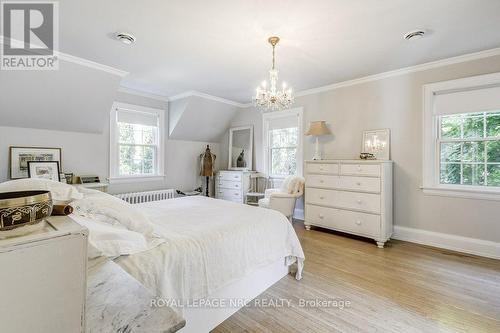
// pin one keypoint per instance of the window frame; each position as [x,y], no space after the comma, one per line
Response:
[432,139]
[266,118]
[114,156]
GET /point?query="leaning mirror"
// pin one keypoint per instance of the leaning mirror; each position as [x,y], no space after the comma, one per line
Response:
[240,148]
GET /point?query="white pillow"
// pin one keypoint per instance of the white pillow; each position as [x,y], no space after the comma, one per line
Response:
[60,192]
[114,240]
[110,210]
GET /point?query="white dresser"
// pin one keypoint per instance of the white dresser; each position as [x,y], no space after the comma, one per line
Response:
[43,279]
[232,185]
[352,196]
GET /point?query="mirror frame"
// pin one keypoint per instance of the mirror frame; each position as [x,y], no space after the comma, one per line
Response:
[249,152]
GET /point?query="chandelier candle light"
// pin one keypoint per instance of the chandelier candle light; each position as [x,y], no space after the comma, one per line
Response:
[317,129]
[273,99]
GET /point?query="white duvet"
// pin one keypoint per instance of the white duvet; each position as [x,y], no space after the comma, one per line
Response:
[209,244]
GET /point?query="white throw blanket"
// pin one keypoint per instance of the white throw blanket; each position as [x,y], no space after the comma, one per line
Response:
[209,244]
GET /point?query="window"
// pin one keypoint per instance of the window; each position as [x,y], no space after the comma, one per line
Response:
[283,143]
[462,137]
[135,143]
[469,146]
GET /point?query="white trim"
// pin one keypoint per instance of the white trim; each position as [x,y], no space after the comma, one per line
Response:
[194,93]
[430,135]
[77,60]
[265,140]
[142,93]
[135,179]
[404,70]
[113,144]
[474,246]
[91,64]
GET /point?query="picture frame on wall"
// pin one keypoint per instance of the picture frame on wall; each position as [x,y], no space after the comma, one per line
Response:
[20,156]
[44,170]
[378,143]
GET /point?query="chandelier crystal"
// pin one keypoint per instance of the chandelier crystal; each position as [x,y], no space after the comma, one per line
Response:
[273,99]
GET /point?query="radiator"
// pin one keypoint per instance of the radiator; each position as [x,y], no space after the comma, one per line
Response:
[139,197]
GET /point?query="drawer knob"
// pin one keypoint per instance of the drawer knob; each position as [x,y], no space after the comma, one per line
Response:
[320,168]
[359,201]
[235,176]
[321,216]
[359,167]
[236,194]
[321,197]
[321,181]
[358,183]
[358,222]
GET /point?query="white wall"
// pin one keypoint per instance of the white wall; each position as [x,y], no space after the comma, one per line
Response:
[88,153]
[394,103]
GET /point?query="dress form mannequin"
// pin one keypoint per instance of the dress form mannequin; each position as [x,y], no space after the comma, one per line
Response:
[207,168]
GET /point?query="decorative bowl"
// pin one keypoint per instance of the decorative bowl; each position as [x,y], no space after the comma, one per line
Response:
[18,209]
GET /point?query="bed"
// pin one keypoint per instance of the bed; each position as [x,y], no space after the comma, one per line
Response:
[203,257]
[215,250]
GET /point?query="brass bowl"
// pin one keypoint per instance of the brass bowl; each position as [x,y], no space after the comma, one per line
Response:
[18,209]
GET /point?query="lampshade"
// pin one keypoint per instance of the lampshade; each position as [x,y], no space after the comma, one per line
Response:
[318,128]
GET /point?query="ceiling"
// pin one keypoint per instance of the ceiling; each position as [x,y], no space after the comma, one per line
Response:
[219,47]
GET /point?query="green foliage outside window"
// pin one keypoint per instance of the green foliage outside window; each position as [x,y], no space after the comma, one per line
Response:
[470,149]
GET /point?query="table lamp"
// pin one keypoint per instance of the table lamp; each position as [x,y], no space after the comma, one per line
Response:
[317,129]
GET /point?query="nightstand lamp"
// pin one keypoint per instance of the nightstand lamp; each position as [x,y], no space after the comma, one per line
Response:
[317,129]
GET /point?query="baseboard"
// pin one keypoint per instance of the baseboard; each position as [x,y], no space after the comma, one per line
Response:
[474,246]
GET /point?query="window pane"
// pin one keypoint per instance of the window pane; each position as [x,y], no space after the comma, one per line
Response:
[450,152]
[450,127]
[450,173]
[493,148]
[473,174]
[283,137]
[494,175]
[136,160]
[493,125]
[283,161]
[473,152]
[135,133]
[474,126]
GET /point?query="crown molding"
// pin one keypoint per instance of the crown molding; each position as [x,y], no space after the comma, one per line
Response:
[143,93]
[194,93]
[404,70]
[77,60]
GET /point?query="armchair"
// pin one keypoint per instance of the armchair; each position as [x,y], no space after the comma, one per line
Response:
[283,199]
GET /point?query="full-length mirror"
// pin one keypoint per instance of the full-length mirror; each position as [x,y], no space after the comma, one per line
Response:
[240,148]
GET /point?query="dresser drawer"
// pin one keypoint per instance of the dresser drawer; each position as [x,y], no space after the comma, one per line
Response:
[364,184]
[322,168]
[232,176]
[344,220]
[228,194]
[360,169]
[342,199]
[229,184]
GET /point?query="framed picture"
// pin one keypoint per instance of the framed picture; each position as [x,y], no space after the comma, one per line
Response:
[377,142]
[20,156]
[45,170]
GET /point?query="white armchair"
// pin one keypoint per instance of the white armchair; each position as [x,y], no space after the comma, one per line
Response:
[283,199]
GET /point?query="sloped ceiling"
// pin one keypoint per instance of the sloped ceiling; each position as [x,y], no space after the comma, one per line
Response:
[73,98]
[199,119]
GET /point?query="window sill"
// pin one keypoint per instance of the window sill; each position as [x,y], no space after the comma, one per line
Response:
[466,193]
[135,179]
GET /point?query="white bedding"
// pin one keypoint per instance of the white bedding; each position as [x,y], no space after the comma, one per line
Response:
[209,244]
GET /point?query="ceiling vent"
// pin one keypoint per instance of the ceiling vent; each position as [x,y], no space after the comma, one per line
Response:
[125,38]
[414,35]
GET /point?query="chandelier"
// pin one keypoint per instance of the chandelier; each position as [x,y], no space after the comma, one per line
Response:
[273,99]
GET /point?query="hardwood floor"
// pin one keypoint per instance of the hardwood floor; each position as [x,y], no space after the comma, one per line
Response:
[403,288]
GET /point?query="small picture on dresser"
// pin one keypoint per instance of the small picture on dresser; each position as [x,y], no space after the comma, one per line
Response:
[377,143]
